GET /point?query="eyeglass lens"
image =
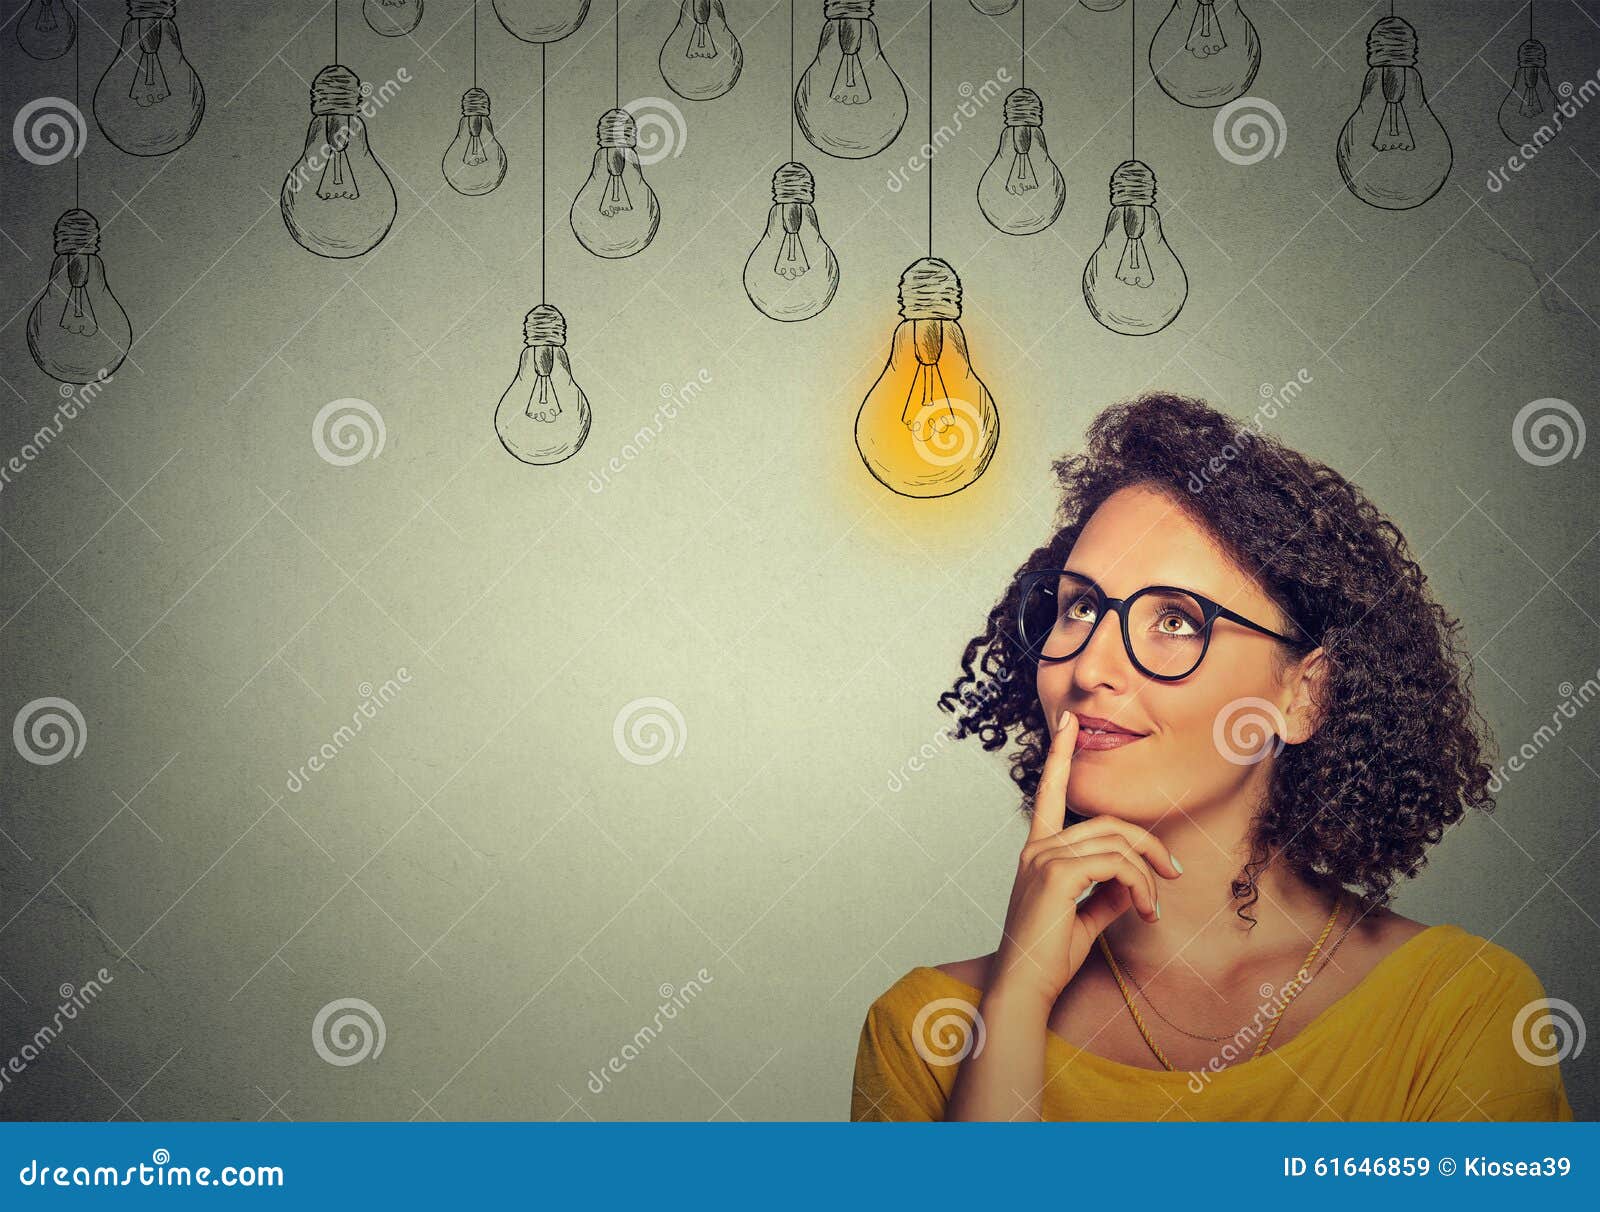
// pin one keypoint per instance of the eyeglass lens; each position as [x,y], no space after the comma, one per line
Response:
[1166,628]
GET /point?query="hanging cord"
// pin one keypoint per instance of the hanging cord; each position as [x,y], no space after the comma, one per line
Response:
[77,100]
[475,43]
[336,31]
[542,230]
[1133,91]
[1024,18]
[930,128]
[791,81]
[616,29]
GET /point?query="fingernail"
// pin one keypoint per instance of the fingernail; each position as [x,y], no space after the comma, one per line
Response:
[1158,911]
[1062,722]
[1176,865]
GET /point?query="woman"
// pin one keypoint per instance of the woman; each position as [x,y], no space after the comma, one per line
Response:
[1227,654]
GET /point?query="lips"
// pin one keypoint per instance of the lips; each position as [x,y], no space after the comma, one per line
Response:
[1096,724]
[1096,734]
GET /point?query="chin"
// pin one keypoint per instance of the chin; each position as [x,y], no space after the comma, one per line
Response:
[1107,792]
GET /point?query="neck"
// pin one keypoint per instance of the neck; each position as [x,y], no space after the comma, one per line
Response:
[1198,917]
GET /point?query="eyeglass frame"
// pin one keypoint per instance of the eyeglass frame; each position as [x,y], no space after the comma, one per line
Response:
[1210,610]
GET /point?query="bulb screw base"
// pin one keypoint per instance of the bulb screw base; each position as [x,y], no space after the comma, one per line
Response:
[1133,184]
[336,90]
[475,103]
[544,325]
[930,290]
[1023,108]
[77,231]
[617,129]
[793,183]
[1391,43]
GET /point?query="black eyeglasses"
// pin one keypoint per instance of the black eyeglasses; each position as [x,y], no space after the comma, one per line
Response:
[1165,630]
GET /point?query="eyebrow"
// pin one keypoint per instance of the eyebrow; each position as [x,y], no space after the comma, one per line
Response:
[1083,576]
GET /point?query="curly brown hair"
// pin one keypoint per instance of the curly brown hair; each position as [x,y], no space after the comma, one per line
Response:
[1398,748]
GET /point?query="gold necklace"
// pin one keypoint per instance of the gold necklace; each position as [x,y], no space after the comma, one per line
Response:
[1217,1039]
[1303,972]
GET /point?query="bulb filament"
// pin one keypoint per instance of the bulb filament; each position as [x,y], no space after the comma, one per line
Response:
[149,80]
[475,153]
[700,44]
[850,80]
[1205,31]
[543,403]
[78,315]
[337,181]
[615,199]
[1394,131]
[1022,177]
[1134,267]
[46,21]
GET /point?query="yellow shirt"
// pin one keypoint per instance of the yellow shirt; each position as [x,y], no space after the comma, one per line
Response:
[1431,1033]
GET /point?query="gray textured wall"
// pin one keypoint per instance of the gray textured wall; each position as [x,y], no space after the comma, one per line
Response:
[482,864]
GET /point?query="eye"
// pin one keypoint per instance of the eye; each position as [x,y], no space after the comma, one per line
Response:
[1178,623]
[1078,610]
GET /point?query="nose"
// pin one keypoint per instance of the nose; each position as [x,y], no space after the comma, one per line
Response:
[1103,663]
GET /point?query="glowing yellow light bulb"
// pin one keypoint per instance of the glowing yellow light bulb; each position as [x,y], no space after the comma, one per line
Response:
[929,426]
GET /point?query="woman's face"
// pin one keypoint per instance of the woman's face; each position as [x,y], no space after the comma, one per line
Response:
[1228,706]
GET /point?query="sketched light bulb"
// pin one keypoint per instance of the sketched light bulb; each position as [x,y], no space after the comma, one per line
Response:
[1530,106]
[541,20]
[1021,192]
[77,329]
[1393,153]
[149,102]
[337,201]
[1205,52]
[792,274]
[474,163]
[391,18]
[701,58]
[1134,283]
[616,213]
[45,28]
[849,102]
[929,426]
[544,416]
[1101,6]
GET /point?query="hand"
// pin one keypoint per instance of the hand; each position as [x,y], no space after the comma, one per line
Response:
[1048,934]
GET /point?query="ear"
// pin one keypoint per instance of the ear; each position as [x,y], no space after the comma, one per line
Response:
[1306,682]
